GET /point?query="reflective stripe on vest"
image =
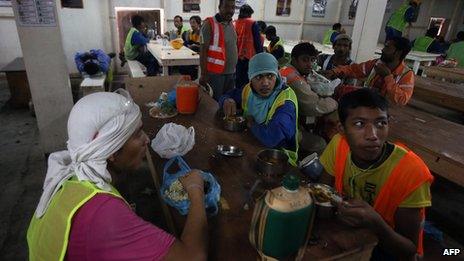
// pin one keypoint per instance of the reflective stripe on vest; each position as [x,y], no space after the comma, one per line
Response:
[270,48]
[326,62]
[291,74]
[130,51]
[327,37]
[422,43]
[397,20]
[398,186]
[47,237]
[372,75]
[245,40]
[286,94]
[215,62]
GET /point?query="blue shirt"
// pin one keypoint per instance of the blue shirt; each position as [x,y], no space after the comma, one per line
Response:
[257,38]
[279,132]
[97,56]
[139,39]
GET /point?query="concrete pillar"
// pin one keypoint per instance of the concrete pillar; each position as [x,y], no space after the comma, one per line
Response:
[48,75]
[366,29]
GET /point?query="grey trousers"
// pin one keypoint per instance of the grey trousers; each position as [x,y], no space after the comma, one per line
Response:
[221,83]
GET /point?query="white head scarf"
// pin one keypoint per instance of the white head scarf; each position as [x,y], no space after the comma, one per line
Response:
[98,126]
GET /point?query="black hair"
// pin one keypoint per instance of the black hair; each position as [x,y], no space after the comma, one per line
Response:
[245,11]
[304,49]
[337,26]
[364,97]
[270,30]
[91,68]
[137,20]
[262,26]
[222,2]
[180,17]
[196,18]
[401,44]
[460,36]
[432,32]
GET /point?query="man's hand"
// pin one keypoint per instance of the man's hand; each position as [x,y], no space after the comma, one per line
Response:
[382,70]
[358,213]
[193,183]
[329,74]
[229,107]
[250,121]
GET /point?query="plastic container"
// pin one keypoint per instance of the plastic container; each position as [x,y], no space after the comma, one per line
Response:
[186,97]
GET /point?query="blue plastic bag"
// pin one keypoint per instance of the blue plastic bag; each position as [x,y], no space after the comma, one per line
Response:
[211,197]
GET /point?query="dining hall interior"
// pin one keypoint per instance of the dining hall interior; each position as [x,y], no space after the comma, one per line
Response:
[231,129]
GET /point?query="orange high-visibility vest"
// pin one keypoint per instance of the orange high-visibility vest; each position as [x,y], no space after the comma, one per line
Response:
[291,74]
[399,185]
[216,59]
[245,42]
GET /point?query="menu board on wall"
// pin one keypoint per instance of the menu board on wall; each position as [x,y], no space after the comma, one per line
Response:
[191,6]
[283,7]
[319,7]
[36,12]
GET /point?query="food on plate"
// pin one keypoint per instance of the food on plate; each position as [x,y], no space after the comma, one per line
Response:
[176,192]
[322,193]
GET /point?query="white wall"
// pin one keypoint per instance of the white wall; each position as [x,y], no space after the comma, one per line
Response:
[9,40]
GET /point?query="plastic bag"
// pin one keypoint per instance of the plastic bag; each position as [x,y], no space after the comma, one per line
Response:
[212,194]
[173,140]
[321,85]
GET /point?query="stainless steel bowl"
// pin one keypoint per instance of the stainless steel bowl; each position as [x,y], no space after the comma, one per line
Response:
[272,162]
[236,123]
[229,150]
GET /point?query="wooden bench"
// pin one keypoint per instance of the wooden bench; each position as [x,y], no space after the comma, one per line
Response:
[437,141]
[91,85]
[135,69]
[453,75]
[440,93]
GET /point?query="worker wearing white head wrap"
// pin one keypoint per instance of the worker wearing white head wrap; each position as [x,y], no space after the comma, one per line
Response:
[98,126]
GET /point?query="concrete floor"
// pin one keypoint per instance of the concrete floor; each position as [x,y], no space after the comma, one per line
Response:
[23,168]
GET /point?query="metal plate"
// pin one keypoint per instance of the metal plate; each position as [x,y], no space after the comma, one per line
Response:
[229,150]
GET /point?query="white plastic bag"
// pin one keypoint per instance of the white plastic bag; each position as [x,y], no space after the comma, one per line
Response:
[321,85]
[173,140]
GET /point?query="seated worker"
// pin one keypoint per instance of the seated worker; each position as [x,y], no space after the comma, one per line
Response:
[81,215]
[388,185]
[93,62]
[389,74]
[248,43]
[271,107]
[428,43]
[304,56]
[456,50]
[330,35]
[135,47]
[341,56]
[180,27]
[276,45]
[192,40]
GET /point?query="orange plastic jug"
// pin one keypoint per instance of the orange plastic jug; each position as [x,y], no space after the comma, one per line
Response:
[187,97]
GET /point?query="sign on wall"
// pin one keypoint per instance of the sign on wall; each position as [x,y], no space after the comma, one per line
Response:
[352,9]
[191,6]
[5,2]
[319,7]
[35,12]
[238,4]
[283,7]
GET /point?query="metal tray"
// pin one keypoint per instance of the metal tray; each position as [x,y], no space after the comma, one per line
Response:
[229,150]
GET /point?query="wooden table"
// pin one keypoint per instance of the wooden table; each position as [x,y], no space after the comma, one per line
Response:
[437,141]
[288,46]
[168,56]
[448,74]
[17,82]
[416,57]
[440,93]
[228,231]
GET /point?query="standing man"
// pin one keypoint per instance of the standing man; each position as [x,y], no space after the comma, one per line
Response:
[402,17]
[248,43]
[389,75]
[329,36]
[135,47]
[387,184]
[218,50]
[276,45]
[428,43]
[179,24]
